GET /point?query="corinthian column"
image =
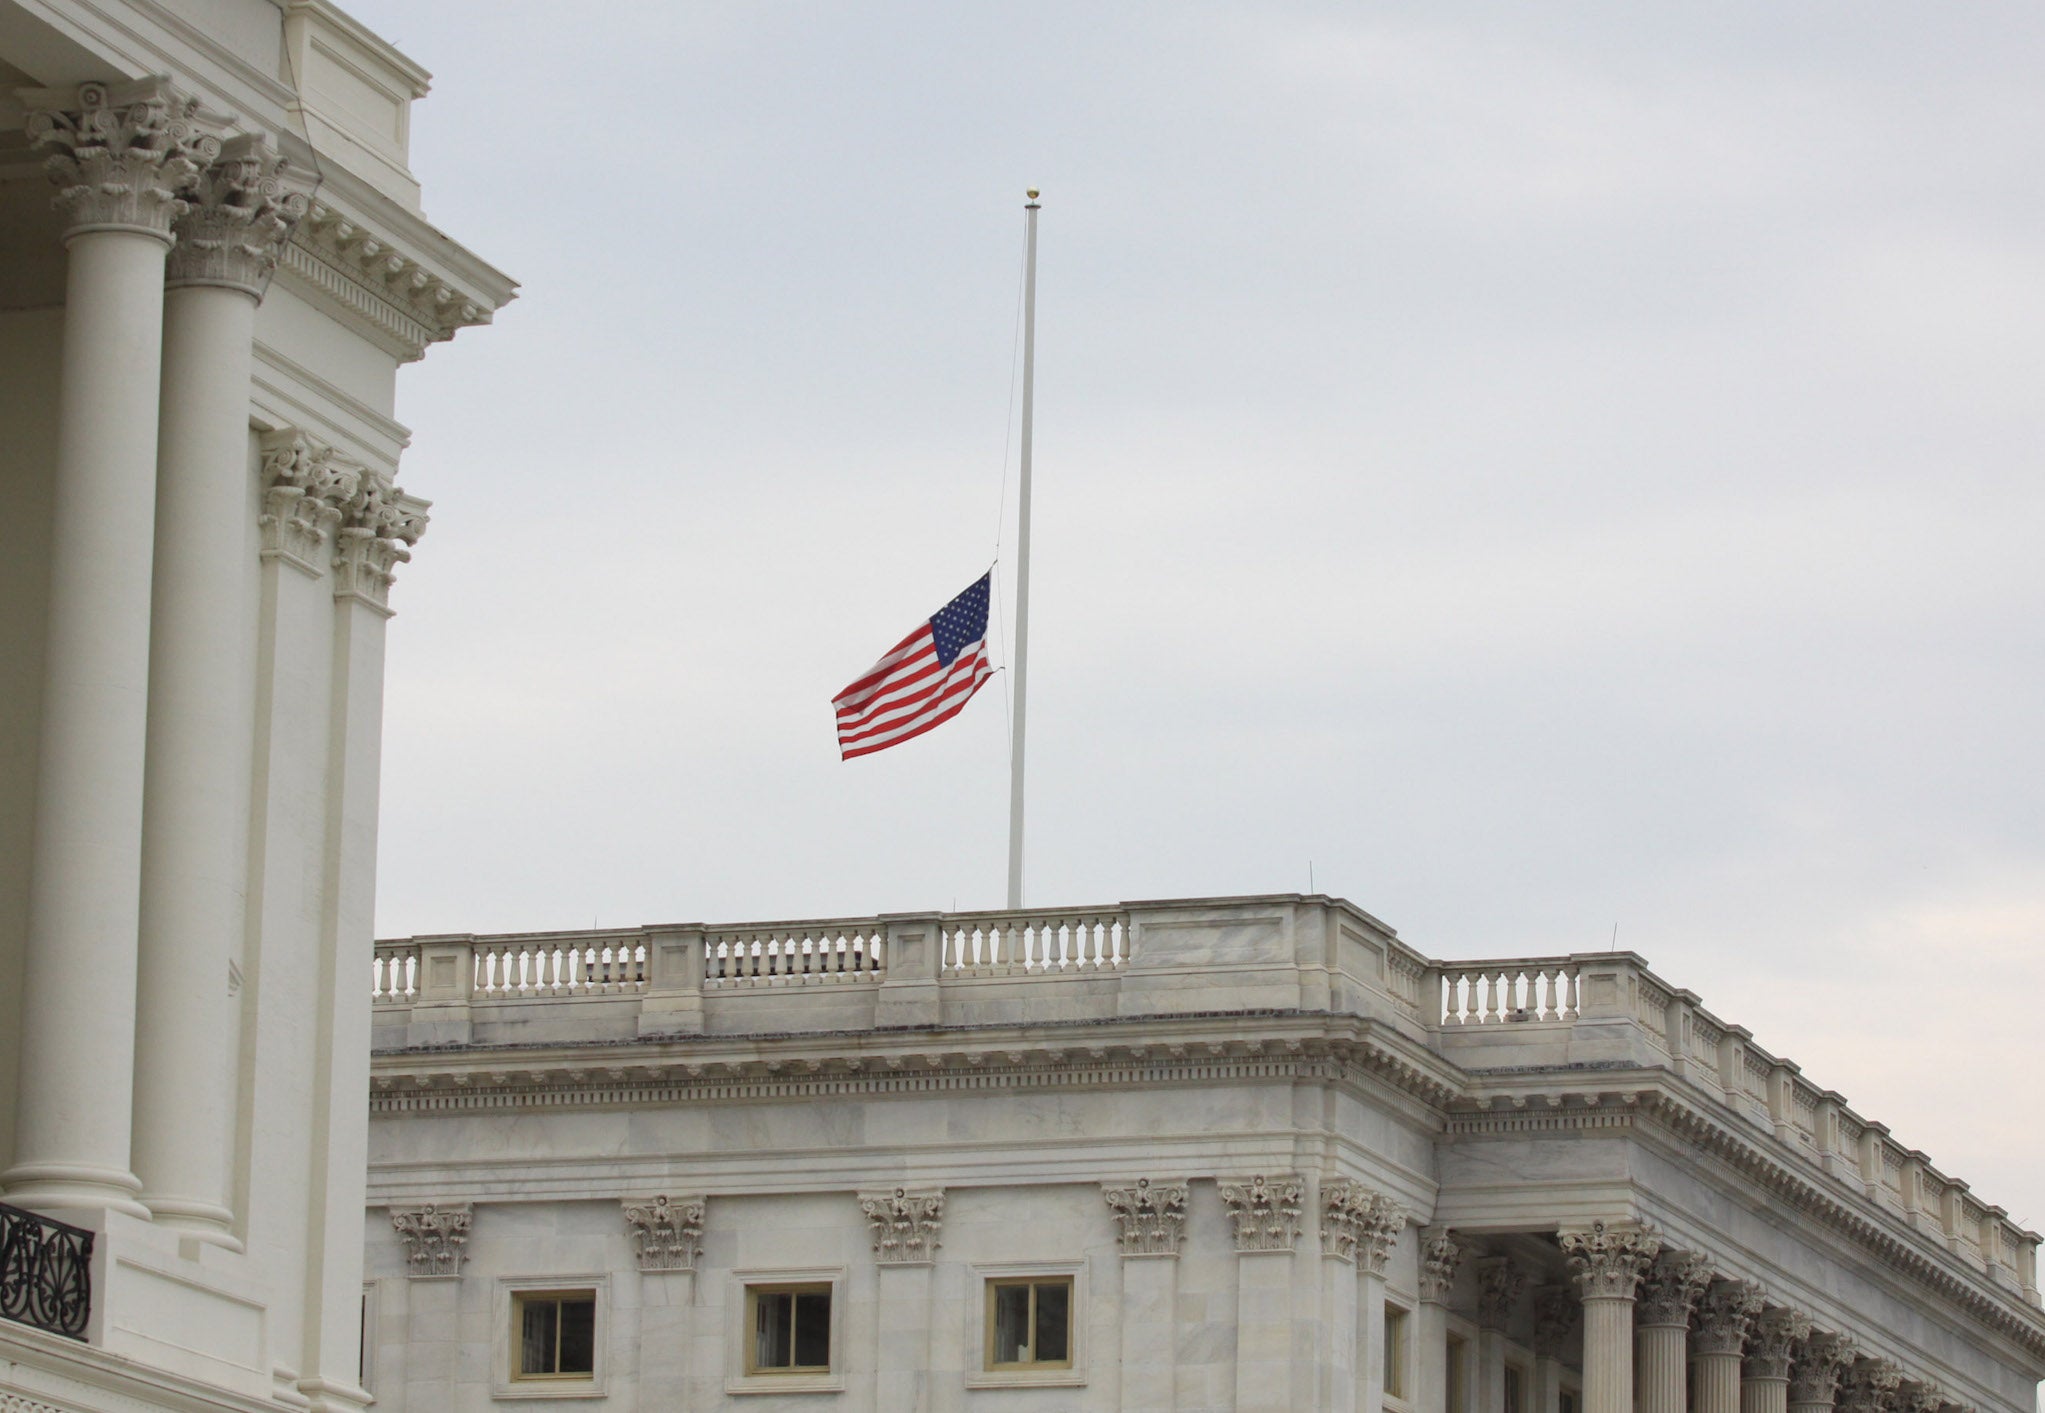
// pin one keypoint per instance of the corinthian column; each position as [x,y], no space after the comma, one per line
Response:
[1661,1349]
[1764,1380]
[1815,1362]
[195,835]
[1724,1314]
[123,157]
[1609,1259]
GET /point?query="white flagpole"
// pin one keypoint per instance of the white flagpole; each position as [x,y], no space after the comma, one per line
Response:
[1022,561]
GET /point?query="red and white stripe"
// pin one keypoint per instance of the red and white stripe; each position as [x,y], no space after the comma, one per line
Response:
[906,693]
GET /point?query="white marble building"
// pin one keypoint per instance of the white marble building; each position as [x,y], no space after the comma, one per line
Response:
[1230,1154]
[213,262]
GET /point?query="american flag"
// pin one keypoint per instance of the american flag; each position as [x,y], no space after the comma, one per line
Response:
[921,681]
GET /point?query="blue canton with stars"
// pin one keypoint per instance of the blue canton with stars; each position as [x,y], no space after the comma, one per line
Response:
[962,621]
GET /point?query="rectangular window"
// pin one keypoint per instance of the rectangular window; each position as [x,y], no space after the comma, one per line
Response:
[1513,1388]
[1568,1401]
[1395,1352]
[1452,1381]
[791,1328]
[1029,1323]
[555,1334]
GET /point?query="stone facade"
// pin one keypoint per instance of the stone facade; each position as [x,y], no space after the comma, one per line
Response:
[1272,1157]
[212,266]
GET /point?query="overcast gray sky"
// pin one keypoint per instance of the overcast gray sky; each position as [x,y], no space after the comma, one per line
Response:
[1552,467]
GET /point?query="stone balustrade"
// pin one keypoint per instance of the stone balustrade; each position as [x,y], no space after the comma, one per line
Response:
[1605,1011]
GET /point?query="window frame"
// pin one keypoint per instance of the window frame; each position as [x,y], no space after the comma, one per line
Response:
[793,1290]
[741,1289]
[511,1294]
[1032,1283]
[979,1331]
[1395,1354]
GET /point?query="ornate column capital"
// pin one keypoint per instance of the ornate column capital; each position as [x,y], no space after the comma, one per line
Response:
[904,1224]
[1499,1285]
[667,1233]
[1441,1256]
[379,525]
[1609,1258]
[1359,1224]
[1724,1312]
[240,212]
[1265,1211]
[1555,1311]
[1917,1396]
[1772,1341]
[1867,1386]
[1669,1291]
[306,485]
[436,1237]
[1150,1217]
[1815,1363]
[124,156]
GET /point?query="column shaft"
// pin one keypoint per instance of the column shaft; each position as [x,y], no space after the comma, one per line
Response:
[1661,1369]
[1546,1394]
[201,724]
[1764,1395]
[78,1034]
[1607,1354]
[1718,1383]
[1372,1357]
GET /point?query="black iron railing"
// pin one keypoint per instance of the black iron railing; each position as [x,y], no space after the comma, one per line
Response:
[45,1273]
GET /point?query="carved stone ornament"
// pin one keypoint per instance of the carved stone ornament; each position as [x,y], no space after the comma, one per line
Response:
[1441,1255]
[124,156]
[1499,1285]
[1151,1216]
[1724,1312]
[1668,1292]
[306,485]
[1358,1224]
[1772,1341]
[1815,1364]
[905,1225]
[1609,1258]
[378,527]
[436,1238]
[241,211]
[1555,1310]
[1917,1396]
[1867,1385]
[1265,1212]
[667,1233]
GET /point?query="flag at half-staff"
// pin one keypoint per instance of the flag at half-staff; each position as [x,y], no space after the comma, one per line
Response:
[922,681]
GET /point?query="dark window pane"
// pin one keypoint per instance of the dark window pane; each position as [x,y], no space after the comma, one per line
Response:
[538,1337]
[578,1338]
[773,1322]
[813,1330]
[1054,1323]
[1011,1323]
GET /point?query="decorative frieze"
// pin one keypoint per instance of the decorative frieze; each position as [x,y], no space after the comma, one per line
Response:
[1499,1285]
[1359,1224]
[667,1233]
[1441,1255]
[1265,1211]
[436,1238]
[1609,1258]
[1867,1386]
[1772,1342]
[1668,1292]
[1151,1217]
[1555,1310]
[1816,1362]
[1724,1312]
[306,486]
[124,156]
[904,1224]
[241,211]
